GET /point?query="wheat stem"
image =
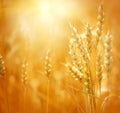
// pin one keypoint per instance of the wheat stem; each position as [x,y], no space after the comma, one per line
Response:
[24,79]
[24,98]
[6,93]
[47,105]
[87,103]
[3,74]
[48,68]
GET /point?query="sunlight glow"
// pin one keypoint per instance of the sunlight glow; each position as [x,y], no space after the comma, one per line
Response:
[55,9]
[45,16]
[45,7]
[46,13]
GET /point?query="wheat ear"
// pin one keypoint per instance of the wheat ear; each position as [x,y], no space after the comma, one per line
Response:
[73,53]
[107,57]
[107,53]
[48,65]
[99,71]
[100,22]
[88,37]
[2,67]
[99,45]
[76,74]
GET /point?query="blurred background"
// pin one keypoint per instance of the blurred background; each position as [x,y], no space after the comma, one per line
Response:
[28,29]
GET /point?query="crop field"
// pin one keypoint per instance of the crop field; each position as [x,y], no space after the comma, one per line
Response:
[59,56]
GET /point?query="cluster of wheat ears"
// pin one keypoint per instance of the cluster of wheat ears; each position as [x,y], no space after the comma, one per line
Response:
[91,61]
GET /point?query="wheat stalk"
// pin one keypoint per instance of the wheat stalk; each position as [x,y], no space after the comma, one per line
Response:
[48,69]
[2,74]
[24,79]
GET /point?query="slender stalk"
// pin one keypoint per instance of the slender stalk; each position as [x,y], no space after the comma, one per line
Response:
[47,103]
[6,93]
[24,102]
[79,108]
[92,97]
[108,86]
[24,80]
[100,89]
[3,74]
[48,68]
[87,103]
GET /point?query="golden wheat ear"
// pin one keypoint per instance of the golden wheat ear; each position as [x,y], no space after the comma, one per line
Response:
[2,67]
[107,53]
[24,73]
[88,36]
[99,71]
[76,74]
[100,22]
[48,66]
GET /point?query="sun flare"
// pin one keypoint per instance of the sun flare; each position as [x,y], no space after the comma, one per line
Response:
[46,16]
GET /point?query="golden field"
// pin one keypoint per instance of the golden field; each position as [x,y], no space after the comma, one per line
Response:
[59,56]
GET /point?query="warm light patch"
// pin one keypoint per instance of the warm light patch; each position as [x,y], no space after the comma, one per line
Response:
[45,20]
[46,17]
[53,11]
[45,7]
[45,12]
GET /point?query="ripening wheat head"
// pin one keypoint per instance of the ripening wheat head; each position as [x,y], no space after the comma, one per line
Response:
[2,66]
[24,73]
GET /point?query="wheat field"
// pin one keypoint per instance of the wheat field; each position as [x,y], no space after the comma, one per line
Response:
[59,56]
